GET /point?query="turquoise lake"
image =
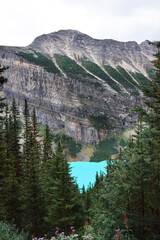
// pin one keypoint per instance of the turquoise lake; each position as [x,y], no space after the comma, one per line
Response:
[85,172]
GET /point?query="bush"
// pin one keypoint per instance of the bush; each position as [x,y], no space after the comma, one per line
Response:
[10,232]
[100,122]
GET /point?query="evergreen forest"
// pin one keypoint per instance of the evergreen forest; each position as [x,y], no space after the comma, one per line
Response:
[39,199]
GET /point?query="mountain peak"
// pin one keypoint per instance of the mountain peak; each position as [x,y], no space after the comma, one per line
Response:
[75,44]
[61,35]
[73,80]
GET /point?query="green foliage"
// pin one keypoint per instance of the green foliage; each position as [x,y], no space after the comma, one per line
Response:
[122,80]
[108,147]
[40,60]
[151,73]
[101,122]
[104,149]
[141,79]
[69,66]
[3,169]
[122,142]
[68,143]
[73,70]
[88,97]
[10,232]
[32,204]
[47,144]
[32,183]
[126,75]
[96,70]
[63,205]
[126,198]
[13,165]
[129,198]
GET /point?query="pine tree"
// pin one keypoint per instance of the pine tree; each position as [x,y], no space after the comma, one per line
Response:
[132,184]
[16,147]
[12,167]
[27,131]
[63,205]
[31,187]
[151,118]
[32,204]
[35,124]
[47,145]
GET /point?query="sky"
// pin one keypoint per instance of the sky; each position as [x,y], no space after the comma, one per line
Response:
[123,20]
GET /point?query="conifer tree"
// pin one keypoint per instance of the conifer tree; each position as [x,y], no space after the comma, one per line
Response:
[31,187]
[27,131]
[151,118]
[11,182]
[35,124]
[132,183]
[63,205]
[47,145]
[16,147]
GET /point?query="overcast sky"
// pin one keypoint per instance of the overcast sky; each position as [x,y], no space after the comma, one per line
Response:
[122,20]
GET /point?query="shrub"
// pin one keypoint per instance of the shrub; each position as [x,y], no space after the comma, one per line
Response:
[100,122]
[10,232]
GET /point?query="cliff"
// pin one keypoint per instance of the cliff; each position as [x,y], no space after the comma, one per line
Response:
[82,85]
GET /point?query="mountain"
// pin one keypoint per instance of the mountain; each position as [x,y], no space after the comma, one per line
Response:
[85,86]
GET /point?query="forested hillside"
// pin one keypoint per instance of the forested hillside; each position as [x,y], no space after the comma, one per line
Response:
[39,196]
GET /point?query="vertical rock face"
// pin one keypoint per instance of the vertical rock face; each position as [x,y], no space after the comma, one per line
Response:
[68,77]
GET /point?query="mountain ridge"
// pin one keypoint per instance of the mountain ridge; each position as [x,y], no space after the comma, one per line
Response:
[68,38]
[74,81]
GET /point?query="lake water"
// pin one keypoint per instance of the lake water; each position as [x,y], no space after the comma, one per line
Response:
[85,172]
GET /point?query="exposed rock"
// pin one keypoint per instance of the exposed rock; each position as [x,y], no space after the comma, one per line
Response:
[66,100]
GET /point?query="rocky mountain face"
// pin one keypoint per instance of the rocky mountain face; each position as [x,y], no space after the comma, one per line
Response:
[85,86]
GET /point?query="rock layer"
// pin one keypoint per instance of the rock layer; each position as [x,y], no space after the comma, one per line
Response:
[65,99]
